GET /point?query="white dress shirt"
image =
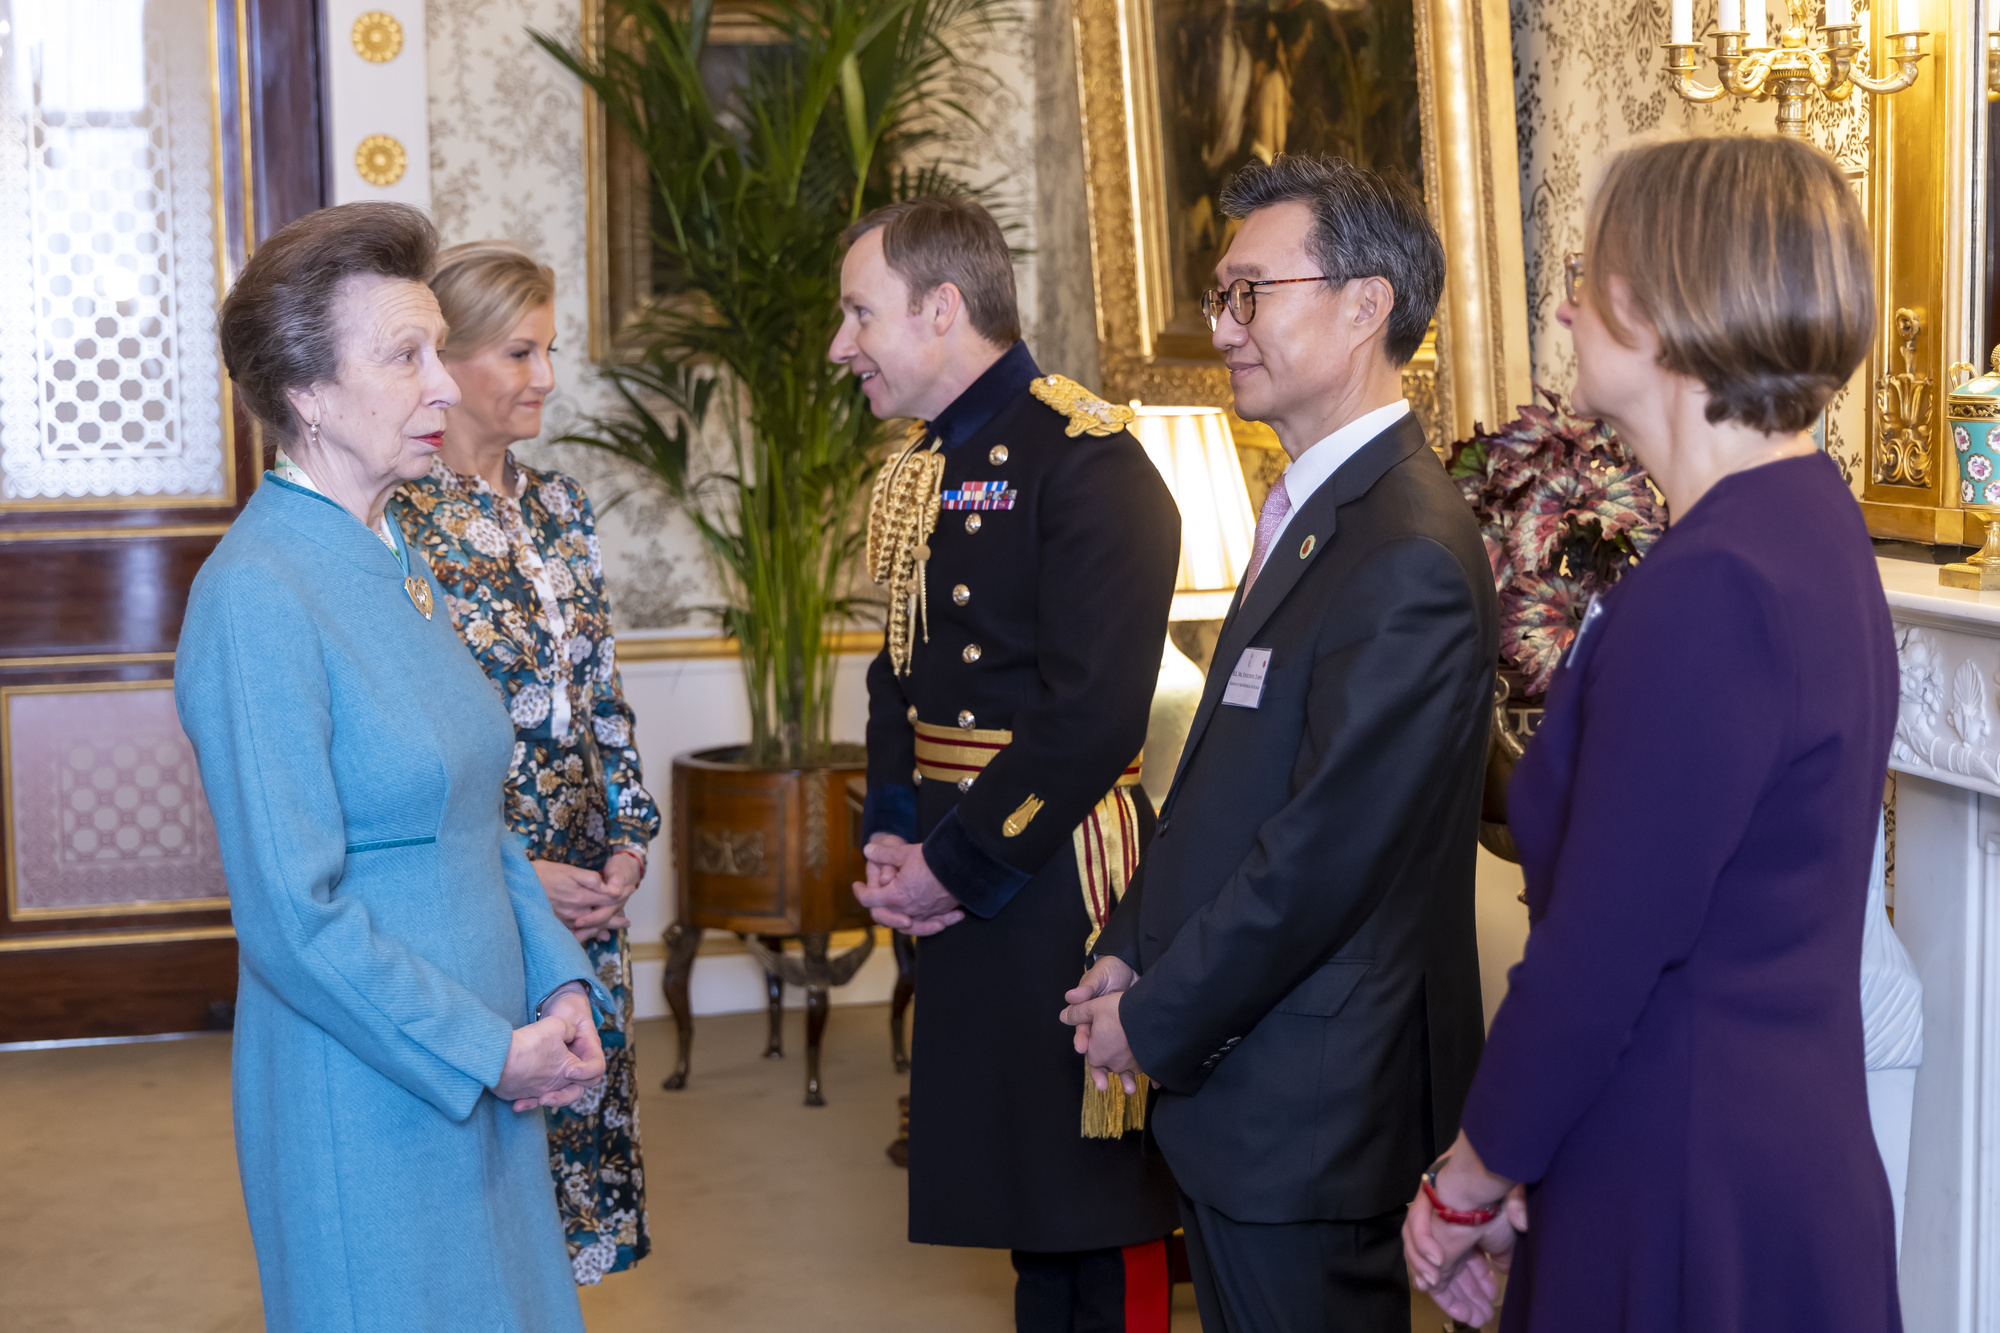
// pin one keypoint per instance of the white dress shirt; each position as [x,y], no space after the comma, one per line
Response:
[1310,469]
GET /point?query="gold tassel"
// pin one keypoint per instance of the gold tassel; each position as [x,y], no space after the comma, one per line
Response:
[1106,845]
[1112,1113]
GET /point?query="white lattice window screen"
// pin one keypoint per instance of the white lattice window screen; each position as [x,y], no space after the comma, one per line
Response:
[110,378]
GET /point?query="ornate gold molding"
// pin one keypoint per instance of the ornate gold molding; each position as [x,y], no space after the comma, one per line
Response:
[1472,179]
[85,660]
[102,532]
[1927,211]
[1903,405]
[103,939]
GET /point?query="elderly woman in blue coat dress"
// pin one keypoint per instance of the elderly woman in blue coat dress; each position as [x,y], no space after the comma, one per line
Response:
[407,1003]
[1676,1075]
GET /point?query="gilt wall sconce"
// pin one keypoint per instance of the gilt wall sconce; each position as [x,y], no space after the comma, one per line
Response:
[1746,65]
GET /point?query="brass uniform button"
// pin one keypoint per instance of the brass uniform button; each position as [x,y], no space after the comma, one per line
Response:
[972,522]
[917,776]
[997,455]
[965,718]
[913,713]
[965,784]
[961,594]
[971,653]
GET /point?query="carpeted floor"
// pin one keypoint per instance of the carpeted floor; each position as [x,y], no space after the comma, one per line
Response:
[119,1206]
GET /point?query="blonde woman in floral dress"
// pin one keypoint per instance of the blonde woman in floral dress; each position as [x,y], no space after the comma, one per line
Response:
[516,553]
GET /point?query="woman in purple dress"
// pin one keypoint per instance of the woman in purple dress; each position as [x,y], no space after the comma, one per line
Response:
[1672,1102]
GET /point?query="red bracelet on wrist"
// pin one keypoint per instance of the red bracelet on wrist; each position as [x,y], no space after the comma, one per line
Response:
[1458,1217]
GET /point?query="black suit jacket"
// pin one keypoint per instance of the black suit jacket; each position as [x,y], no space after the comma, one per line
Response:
[1308,999]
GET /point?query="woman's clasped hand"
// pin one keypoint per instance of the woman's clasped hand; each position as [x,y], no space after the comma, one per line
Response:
[1461,1266]
[589,902]
[555,1059]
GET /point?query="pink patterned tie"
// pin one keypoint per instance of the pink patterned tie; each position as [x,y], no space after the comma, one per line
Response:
[1276,505]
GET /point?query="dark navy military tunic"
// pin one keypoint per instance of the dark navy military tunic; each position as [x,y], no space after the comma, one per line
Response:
[1050,573]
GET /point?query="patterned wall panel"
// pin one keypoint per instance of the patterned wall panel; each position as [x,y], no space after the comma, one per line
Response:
[1589,80]
[110,381]
[105,814]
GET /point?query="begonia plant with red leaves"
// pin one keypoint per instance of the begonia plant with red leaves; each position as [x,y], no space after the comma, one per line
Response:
[1565,510]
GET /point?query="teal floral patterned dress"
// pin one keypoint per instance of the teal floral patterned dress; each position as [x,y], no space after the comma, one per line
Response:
[524,582]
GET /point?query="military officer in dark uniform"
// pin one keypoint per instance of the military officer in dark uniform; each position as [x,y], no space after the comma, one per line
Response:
[1029,550]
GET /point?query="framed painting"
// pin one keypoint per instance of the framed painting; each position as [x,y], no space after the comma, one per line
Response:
[623,273]
[1177,95]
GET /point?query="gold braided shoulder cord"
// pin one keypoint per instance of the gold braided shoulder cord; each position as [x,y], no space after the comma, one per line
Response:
[901,517]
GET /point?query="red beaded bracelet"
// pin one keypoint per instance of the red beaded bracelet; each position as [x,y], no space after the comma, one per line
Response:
[1458,1217]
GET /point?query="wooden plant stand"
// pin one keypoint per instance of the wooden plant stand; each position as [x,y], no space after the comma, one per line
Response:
[771,855]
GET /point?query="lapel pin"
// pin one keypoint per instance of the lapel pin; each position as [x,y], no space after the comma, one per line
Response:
[1306,547]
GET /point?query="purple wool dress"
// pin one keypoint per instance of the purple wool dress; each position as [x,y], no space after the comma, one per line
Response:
[1677,1067]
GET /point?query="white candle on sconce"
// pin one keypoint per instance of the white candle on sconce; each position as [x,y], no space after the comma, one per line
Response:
[1754,22]
[1906,16]
[1729,15]
[1839,13]
[1681,22]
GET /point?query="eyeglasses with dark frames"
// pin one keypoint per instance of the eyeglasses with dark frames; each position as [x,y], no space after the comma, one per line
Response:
[1572,275]
[1241,297]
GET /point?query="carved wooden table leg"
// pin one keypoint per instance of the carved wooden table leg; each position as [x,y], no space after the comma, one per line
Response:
[817,974]
[774,987]
[682,944]
[899,1002]
[818,982]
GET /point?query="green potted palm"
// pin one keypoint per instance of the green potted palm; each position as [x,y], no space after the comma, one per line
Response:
[732,408]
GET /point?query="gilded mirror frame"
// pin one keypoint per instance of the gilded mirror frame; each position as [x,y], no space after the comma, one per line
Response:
[1927,206]
[1475,367]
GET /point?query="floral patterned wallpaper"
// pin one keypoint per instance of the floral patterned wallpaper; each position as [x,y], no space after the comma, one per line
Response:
[507,162]
[1589,78]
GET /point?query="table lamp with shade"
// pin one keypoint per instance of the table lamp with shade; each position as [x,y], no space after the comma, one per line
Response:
[1192,448]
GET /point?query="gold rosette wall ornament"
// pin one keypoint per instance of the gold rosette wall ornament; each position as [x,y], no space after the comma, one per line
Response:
[381,160]
[377,37]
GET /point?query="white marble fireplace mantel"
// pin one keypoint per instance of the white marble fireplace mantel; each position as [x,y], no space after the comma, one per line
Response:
[1947,908]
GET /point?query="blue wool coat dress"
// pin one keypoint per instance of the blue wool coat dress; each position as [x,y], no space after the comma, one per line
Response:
[391,934]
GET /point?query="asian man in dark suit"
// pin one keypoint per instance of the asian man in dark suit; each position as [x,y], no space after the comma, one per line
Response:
[1295,965]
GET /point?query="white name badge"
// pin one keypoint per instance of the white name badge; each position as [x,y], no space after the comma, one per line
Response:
[1246,682]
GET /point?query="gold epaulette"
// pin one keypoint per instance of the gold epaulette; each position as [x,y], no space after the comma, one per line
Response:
[1088,414]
